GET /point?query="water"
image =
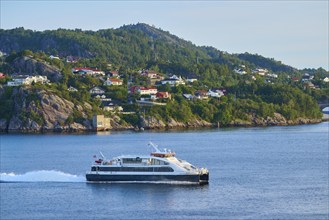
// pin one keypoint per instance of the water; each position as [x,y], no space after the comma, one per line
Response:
[255,173]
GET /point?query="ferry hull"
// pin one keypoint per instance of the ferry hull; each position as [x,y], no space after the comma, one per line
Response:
[192,179]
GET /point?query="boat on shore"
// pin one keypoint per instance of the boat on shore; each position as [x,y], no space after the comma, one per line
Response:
[161,166]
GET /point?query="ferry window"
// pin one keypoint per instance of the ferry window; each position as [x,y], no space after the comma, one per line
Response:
[132,160]
[158,162]
[163,169]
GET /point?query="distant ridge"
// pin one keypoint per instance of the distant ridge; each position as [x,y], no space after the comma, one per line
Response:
[133,45]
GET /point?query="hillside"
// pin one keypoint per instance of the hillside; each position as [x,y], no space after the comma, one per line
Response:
[226,90]
[132,46]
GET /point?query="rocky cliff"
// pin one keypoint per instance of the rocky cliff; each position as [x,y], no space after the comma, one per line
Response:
[276,120]
[28,66]
[38,110]
[149,122]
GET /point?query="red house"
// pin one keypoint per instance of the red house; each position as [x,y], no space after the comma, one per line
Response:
[163,95]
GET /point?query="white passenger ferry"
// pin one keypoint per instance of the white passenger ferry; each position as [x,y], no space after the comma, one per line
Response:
[160,167]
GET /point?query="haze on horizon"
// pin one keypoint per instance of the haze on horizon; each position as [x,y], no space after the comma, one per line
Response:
[294,32]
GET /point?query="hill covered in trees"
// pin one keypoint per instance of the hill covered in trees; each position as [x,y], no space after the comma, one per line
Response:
[281,96]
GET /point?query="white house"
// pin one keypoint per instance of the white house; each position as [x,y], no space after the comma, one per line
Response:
[96,91]
[191,80]
[260,71]
[188,96]
[326,79]
[240,71]
[173,81]
[54,57]
[87,71]
[27,80]
[113,81]
[148,91]
[272,75]
[216,93]
[72,89]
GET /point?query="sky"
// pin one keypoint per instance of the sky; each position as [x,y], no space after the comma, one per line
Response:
[294,32]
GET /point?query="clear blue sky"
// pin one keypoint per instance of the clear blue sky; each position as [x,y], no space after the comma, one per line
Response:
[294,32]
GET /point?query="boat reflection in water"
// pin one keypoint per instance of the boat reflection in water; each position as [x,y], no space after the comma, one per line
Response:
[161,166]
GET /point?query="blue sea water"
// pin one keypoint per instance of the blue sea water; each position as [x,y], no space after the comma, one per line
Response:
[255,173]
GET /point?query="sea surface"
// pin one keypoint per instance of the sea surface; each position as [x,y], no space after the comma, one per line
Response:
[255,173]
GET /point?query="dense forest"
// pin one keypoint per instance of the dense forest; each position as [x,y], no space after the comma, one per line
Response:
[131,48]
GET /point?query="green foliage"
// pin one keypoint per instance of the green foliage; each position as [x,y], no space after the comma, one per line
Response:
[132,119]
[6,103]
[35,116]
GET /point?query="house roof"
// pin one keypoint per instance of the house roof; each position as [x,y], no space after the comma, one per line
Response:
[86,69]
[96,88]
[201,92]
[115,80]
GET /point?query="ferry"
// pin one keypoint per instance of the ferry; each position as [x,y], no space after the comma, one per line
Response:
[161,166]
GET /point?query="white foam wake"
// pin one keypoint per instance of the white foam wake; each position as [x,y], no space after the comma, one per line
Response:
[41,176]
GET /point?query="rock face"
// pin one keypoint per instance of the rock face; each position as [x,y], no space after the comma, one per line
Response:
[29,66]
[44,112]
[55,110]
[276,120]
[150,122]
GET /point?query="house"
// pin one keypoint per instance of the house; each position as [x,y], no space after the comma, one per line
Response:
[309,84]
[188,96]
[201,94]
[114,74]
[27,80]
[216,93]
[72,89]
[147,90]
[149,74]
[54,57]
[96,91]
[87,71]
[326,79]
[240,71]
[143,90]
[113,81]
[307,77]
[191,80]
[272,75]
[163,95]
[260,71]
[98,72]
[173,81]
[82,71]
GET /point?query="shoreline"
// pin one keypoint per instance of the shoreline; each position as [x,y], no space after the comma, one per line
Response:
[177,128]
